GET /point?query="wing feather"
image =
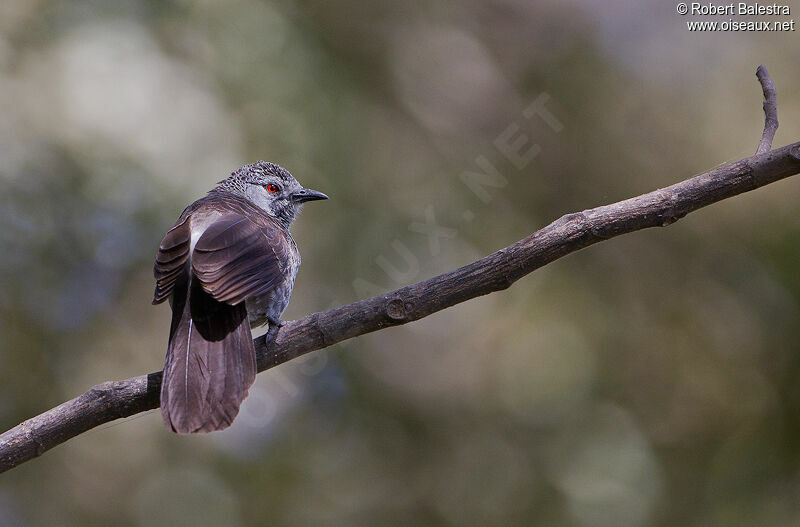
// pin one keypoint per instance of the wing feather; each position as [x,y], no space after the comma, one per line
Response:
[173,252]
[236,258]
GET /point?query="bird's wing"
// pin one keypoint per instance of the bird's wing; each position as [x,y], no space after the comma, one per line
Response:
[171,257]
[236,258]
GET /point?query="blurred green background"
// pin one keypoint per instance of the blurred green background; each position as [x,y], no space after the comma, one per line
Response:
[649,380]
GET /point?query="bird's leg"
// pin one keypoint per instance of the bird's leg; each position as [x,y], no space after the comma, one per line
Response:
[274,326]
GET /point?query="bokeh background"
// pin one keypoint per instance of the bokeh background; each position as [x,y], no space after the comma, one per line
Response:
[650,380]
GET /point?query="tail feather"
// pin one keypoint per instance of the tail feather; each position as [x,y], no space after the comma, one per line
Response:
[210,364]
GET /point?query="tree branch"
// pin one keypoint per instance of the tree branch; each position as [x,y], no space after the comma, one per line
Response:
[770,110]
[112,400]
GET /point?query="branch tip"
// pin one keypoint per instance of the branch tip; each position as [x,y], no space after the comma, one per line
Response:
[770,110]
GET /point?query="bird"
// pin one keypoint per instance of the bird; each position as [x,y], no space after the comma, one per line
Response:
[227,264]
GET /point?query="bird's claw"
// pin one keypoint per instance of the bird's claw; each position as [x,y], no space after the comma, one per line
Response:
[274,326]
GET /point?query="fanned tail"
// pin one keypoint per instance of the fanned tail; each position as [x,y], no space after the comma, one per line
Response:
[211,361]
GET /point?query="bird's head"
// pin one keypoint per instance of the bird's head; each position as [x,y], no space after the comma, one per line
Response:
[271,188]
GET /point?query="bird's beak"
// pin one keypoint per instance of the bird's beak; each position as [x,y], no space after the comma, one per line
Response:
[307,194]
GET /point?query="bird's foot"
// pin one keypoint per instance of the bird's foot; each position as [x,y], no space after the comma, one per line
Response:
[274,326]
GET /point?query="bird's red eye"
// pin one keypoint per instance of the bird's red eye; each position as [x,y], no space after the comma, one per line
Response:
[273,188]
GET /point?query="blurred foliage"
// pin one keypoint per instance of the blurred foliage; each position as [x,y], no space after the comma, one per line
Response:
[650,380]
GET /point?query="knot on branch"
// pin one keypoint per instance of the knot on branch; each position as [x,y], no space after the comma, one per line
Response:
[596,229]
[101,391]
[33,436]
[669,213]
[396,309]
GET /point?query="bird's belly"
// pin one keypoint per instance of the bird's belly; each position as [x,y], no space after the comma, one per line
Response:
[271,305]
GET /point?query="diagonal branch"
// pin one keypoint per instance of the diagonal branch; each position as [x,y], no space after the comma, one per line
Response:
[112,400]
